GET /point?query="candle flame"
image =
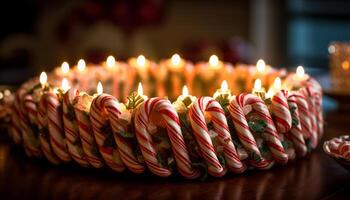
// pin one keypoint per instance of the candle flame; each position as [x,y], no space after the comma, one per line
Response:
[277,83]
[140,89]
[257,84]
[224,85]
[185,91]
[110,61]
[81,65]
[214,60]
[65,67]
[99,88]
[300,71]
[141,61]
[260,65]
[1,95]
[65,84]
[43,78]
[269,93]
[175,59]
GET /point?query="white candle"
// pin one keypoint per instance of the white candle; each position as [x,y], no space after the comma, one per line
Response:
[258,90]
[223,92]
[65,68]
[113,68]
[83,77]
[43,79]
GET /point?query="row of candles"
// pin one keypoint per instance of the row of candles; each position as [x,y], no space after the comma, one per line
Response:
[224,91]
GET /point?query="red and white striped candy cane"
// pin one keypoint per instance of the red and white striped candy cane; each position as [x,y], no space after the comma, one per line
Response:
[44,135]
[168,113]
[31,144]
[317,97]
[110,105]
[296,130]
[199,126]
[15,128]
[313,113]
[87,137]
[270,135]
[243,132]
[282,118]
[54,116]
[280,111]
[71,129]
[344,149]
[109,154]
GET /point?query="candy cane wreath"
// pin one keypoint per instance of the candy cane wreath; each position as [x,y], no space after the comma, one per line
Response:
[94,137]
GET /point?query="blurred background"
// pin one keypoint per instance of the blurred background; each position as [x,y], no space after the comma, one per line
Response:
[41,34]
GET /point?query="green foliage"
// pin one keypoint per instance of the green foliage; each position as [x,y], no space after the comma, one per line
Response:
[257,125]
[133,101]
[268,101]
[295,120]
[223,101]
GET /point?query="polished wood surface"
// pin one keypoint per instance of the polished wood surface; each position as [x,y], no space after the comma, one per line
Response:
[315,177]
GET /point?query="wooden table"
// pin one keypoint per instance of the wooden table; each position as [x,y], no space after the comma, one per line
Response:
[314,177]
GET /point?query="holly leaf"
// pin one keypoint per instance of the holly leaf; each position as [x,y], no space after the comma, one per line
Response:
[308,145]
[295,120]
[126,134]
[285,144]
[222,160]
[255,157]
[268,101]
[223,101]
[257,125]
[133,101]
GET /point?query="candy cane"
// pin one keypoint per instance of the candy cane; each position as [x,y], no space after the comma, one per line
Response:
[168,113]
[344,149]
[313,112]
[87,137]
[15,126]
[282,118]
[270,135]
[281,113]
[197,119]
[44,137]
[109,154]
[244,134]
[296,130]
[71,129]
[31,144]
[54,117]
[110,105]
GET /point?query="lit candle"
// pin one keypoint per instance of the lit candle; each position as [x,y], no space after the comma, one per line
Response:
[65,68]
[65,85]
[223,92]
[110,62]
[261,66]
[82,77]
[177,69]
[300,73]
[214,62]
[185,97]
[43,80]
[136,98]
[112,67]
[99,88]
[258,90]
[140,91]
[277,85]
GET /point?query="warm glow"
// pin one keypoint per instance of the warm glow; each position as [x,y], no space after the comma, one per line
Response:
[99,88]
[81,65]
[300,71]
[345,65]
[110,61]
[1,95]
[224,86]
[140,89]
[43,78]
[277,83]
[185,91]
[65,67]
[214,60]
[269,93]
[176,59]
[7,92]
[257,84]
[141,61]
[260,65]
[65,84]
